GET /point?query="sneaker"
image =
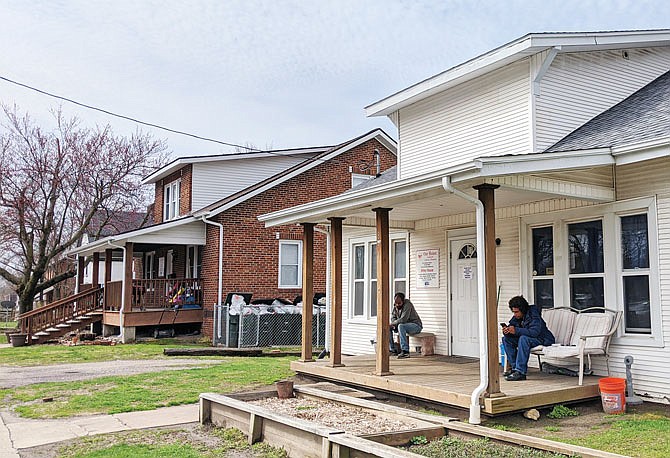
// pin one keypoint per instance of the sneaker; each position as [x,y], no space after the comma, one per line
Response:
[393,352]
[403,354]
[507,372]
[515,377]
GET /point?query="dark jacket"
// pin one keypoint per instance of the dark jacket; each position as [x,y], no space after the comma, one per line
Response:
[407,314]
[532,325]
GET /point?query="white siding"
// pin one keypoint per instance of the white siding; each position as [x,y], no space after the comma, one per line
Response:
[488,116]
[598,176]
[213,181]
[356,334]
[579,86]
[432,304]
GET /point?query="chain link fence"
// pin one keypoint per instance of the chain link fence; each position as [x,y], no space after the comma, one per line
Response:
[265,326]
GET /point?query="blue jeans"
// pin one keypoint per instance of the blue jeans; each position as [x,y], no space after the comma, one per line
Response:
[403,329]
[517,349]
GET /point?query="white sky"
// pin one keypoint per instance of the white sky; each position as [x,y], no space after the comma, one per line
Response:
[274,74]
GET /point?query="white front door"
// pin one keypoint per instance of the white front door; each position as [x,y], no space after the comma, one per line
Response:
[464,316]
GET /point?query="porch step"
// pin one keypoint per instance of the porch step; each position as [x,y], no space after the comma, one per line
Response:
[42,333]
[73,322]
[52,329]
[63,326]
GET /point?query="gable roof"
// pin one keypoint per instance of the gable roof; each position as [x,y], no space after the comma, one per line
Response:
[644,116]
[182,161]
[520,48]
[247,193]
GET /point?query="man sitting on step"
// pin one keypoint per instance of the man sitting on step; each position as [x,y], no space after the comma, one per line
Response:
[404,320]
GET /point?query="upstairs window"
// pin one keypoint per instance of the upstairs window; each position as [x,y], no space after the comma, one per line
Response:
[171,200]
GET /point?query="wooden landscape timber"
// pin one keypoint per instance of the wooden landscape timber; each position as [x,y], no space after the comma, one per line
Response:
[306,439]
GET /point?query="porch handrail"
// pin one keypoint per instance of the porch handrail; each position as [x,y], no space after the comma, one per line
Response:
[59,312]
[165,292]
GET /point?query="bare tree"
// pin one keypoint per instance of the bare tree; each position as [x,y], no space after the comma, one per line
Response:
[53,183]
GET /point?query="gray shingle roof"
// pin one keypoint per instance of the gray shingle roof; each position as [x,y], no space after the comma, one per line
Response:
[643,116]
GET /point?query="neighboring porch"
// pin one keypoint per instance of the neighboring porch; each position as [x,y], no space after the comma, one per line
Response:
[450,381]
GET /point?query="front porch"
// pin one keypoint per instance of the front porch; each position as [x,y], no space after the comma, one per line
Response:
[450,381]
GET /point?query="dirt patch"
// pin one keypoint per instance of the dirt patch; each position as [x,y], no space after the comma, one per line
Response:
[351,419]
[590,419]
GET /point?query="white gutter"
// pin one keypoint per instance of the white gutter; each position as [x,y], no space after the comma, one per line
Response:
[328,288]
[218,296]
[475,409]
[123,287]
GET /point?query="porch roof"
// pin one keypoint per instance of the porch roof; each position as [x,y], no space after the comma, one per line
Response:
[520,179]
[183,231]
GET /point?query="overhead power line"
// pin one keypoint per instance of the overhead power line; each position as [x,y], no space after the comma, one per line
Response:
[91,107]
[363,165]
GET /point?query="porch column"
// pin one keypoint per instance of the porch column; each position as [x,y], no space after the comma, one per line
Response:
[127,333]
[96,270]
[486,196]
[383,299]
[128,278]
[108,265]
[336,292]
[81,264]
[307,290]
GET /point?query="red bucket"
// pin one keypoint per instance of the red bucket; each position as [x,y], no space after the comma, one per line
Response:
[613,394]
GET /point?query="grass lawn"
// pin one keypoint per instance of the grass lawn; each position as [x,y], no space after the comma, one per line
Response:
[646,435]
[192,442]
[144,391]
[34,355]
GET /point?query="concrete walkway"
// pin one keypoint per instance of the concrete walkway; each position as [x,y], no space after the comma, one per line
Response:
[19,433]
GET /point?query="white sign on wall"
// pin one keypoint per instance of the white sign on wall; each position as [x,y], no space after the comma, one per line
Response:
[428,268]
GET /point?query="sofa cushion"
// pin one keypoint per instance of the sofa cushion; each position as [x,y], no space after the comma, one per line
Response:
[587,324]
[560,322]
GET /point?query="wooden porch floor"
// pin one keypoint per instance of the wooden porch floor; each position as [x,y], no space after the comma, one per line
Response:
[451,380]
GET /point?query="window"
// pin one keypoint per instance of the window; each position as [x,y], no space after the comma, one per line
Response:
[357,178]
[364,275]
[290,265]
[543,266]
[599,256]
[587,266]
[149,264]
[171,200]
[635,273]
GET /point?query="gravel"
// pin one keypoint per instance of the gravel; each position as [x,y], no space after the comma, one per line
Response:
[353,420]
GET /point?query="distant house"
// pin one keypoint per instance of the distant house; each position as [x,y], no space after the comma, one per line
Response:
[176,271]
[565,140]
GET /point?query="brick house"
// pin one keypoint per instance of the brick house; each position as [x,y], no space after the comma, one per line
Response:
[173,275]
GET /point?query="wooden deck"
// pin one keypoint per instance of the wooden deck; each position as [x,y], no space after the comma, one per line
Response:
[450,381]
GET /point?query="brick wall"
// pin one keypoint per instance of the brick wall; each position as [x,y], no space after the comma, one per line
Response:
[251,251]
[186,175]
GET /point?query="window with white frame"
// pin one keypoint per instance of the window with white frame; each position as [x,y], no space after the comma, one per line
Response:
[149,259]
[600,256]
[364,275]
[171,200]
[290,265]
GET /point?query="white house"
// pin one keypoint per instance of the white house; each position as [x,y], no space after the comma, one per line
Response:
[570,132]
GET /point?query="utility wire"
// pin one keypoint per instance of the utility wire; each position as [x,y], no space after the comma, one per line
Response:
[363,165]
[234,145]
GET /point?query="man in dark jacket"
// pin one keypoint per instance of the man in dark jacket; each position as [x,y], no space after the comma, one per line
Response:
[525,330]
[404,320]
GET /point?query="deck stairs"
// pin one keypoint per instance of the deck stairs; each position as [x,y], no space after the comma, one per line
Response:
[62,317]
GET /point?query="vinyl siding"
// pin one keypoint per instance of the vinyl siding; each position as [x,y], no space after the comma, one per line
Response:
[599,176]
[488,116]
[213,181]
[579,86]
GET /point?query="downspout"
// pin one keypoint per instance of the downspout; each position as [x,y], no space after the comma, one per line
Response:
[218,295]
[475,410]
[123,288]
[328,289]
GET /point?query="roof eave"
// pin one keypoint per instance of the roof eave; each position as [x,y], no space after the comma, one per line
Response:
[525,46]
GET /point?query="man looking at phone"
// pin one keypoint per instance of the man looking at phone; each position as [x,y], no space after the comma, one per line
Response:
[525,330]
[404,321]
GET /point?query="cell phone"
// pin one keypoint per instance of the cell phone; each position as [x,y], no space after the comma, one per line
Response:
[504,325]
